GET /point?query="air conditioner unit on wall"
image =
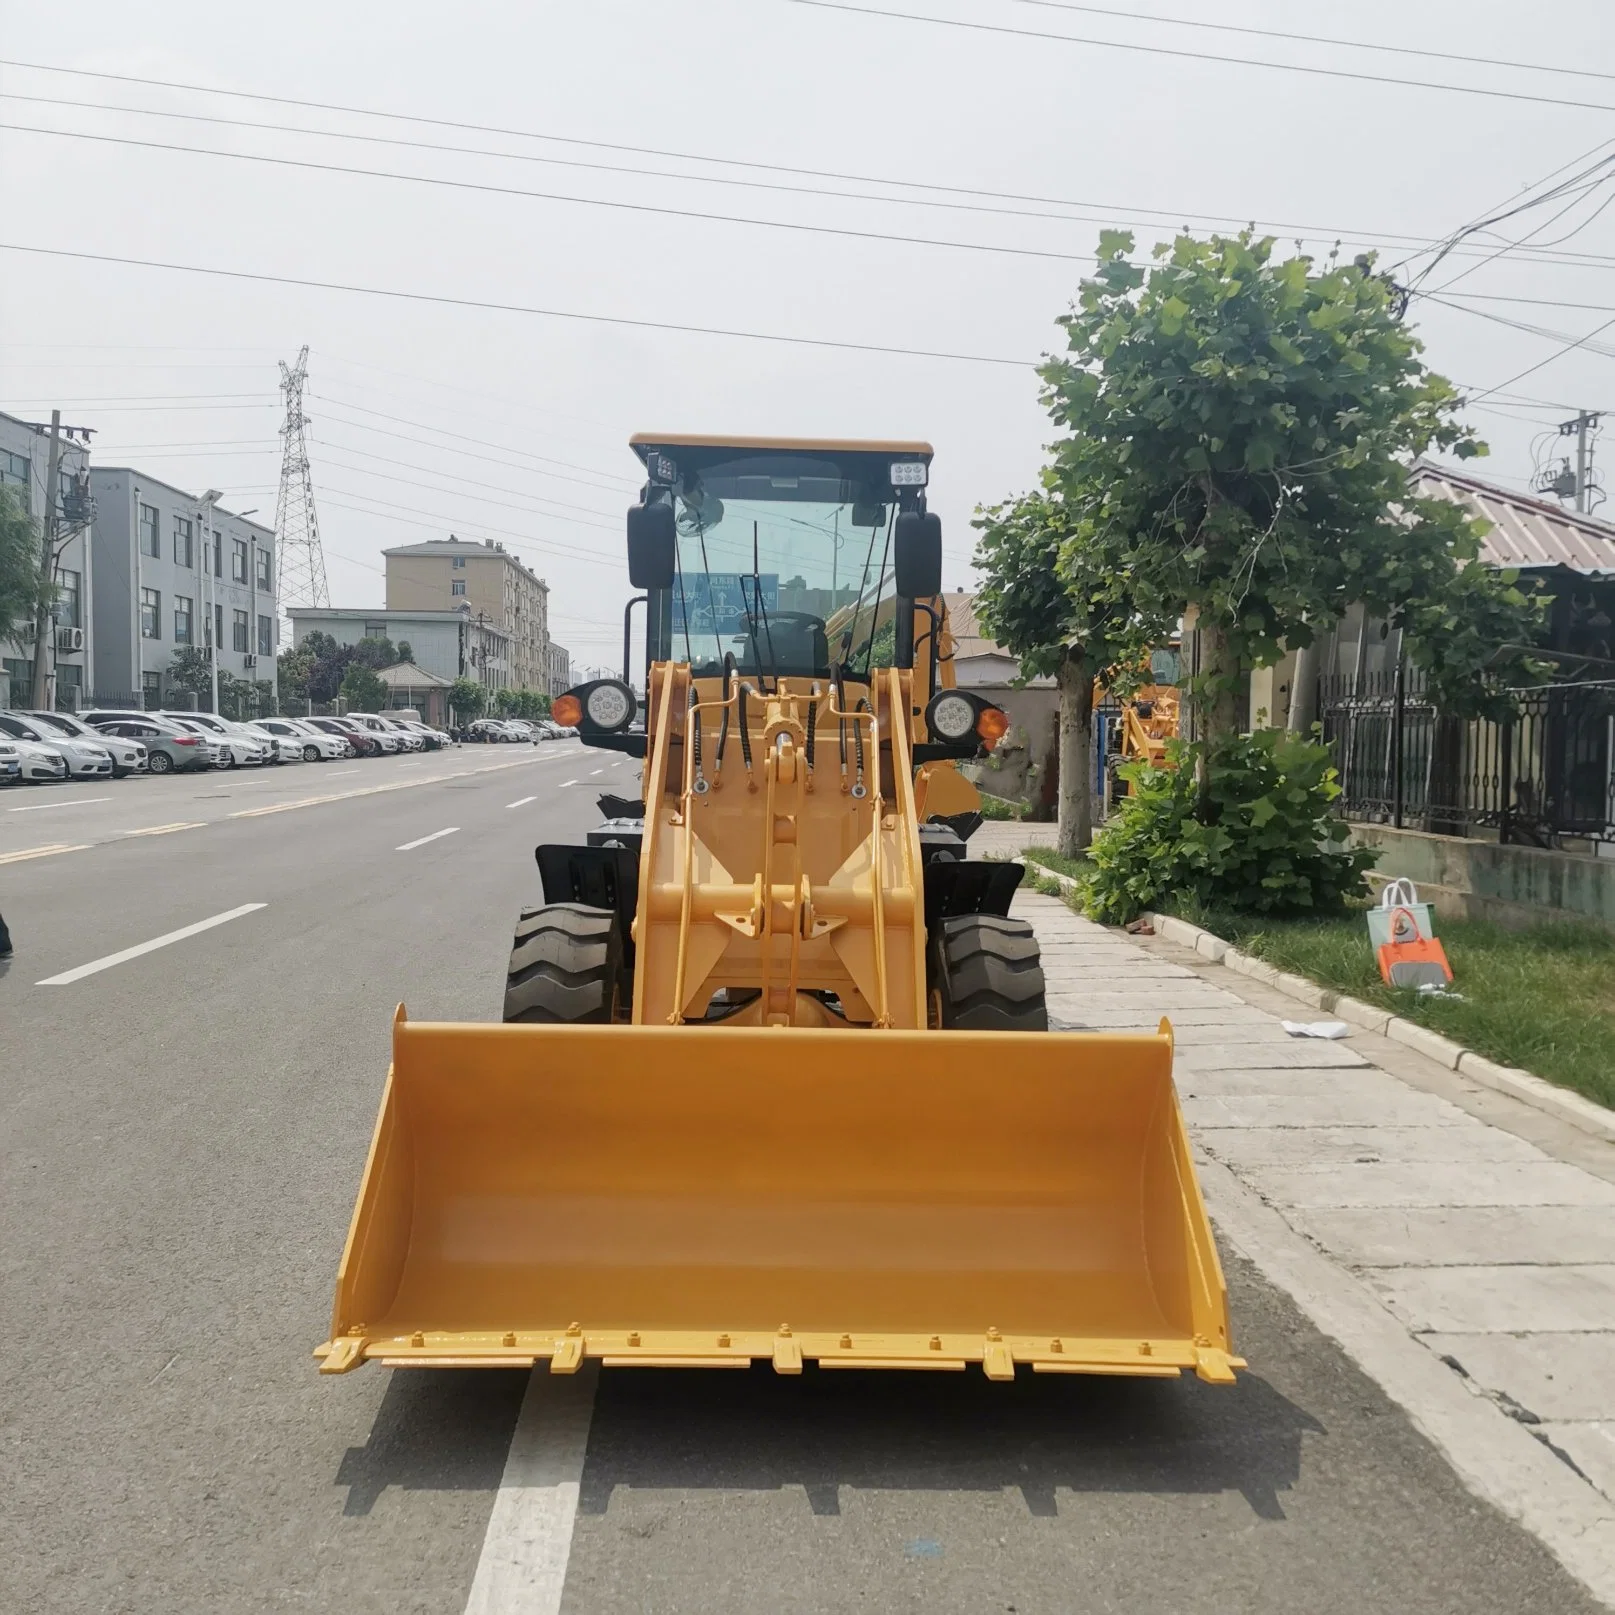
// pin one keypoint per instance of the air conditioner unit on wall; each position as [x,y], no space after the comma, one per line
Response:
[70,639]
[249,661]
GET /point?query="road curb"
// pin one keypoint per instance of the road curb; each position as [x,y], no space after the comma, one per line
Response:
[1580,1113]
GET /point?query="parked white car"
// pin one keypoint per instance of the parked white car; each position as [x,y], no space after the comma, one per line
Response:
[219,754]
[85,759]
[128,756]
[39,765]
[402,739]
[287,748]
[313,745]
[388,738]
[243,747]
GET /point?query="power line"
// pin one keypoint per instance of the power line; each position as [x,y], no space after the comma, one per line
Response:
[1558,353]
[461,437]
[1107,210]
[1201,56]
[1316,39]
[554,196]
[508,308]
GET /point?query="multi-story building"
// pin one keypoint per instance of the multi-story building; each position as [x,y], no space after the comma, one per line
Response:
[452,573]
[24,466]
[449,644]
[167,578]
[560,669]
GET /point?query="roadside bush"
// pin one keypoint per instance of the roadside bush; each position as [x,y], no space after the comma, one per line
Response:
[1268,844]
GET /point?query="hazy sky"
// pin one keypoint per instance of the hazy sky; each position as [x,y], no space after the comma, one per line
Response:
[429,418]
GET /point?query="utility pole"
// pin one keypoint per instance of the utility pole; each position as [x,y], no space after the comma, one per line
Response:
[1584,422]
[44,623]
[208,501]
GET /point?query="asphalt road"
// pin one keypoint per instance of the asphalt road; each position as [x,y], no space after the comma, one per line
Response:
[180,1142]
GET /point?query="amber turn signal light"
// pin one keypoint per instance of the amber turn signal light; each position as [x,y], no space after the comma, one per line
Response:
[991,725]
[567,710]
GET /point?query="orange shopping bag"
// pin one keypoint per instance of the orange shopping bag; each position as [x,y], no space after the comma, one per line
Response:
[1410,959]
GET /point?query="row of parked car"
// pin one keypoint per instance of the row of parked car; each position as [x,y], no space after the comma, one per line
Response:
[516,731]
[107,743]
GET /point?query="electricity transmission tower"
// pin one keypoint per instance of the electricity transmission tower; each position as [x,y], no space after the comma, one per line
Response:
[297,525]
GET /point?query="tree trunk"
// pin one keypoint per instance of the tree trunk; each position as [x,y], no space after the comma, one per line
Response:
[1075,680]
[1218,702]
[1216,706]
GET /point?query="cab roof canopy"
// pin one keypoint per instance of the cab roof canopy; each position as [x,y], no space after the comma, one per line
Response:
[861,460]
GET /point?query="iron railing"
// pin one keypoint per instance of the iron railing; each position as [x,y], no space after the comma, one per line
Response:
[1542,776]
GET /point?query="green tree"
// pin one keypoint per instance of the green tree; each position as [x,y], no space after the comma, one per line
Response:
[467,699]
[1236,438]
[406,651]
[295,670]
[376,652]
[1060,623]
[363,689]
[21,571]
[191,670]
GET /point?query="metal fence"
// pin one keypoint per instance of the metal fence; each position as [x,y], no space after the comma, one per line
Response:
[1537,779]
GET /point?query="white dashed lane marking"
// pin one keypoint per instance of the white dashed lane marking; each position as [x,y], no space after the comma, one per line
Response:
[78,974]
[436,835]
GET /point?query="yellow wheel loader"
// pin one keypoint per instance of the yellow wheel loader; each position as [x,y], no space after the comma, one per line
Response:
[775,1081]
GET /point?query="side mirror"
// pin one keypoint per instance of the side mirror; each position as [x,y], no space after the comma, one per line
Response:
[917,555]
[652,546]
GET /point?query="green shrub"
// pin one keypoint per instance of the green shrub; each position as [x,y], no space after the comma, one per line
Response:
[997,807]
[1268,843]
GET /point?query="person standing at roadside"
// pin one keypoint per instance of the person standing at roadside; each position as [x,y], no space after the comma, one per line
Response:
[5,939]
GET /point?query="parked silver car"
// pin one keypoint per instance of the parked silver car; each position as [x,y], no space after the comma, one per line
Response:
[128,756]
[85,759]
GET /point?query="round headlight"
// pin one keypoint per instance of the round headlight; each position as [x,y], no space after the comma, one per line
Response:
[609,706]
[952,717]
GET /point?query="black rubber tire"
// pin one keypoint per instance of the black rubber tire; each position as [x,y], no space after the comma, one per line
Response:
[987,974]
[159,762]
[565,966]
[311,753]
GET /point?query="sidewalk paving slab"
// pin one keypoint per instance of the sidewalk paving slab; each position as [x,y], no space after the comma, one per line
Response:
[1481,1230]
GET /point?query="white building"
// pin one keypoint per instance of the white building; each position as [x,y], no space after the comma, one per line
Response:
[167,579]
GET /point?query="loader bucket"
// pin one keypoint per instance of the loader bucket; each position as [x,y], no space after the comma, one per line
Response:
[706,1197]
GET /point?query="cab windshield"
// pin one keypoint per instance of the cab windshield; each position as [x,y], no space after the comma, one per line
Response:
[782,563]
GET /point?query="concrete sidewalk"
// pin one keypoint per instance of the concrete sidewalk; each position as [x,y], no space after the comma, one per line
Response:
[1485,1229]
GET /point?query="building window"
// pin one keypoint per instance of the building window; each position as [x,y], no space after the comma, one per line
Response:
[218,554]
[66,609]
[151,691]
[151,542]
[183,607]
[266,636]
[238,560]
[375,630]
[151,610]
[239,627]
[218,627]
[458,563]
[457,587]
[184,555]
[69,686]
[15,468]
[265,575]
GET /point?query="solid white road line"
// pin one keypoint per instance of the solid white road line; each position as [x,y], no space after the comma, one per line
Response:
[529,1536]
[76,801]
[436,835]
[180,935]
[522,803]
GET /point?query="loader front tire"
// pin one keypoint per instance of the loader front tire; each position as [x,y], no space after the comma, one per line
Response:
[987,975]
[565,966]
